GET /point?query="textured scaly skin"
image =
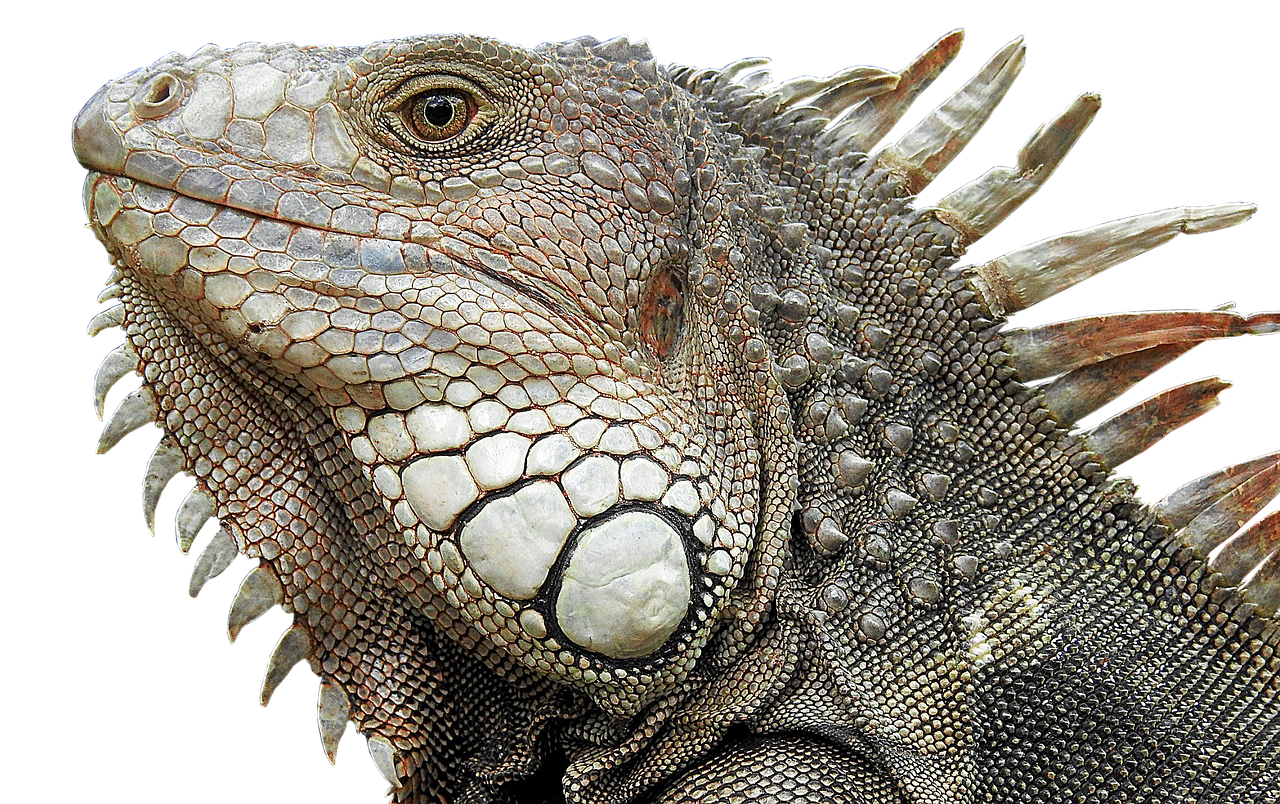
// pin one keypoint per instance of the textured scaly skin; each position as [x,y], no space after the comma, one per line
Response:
[642,442]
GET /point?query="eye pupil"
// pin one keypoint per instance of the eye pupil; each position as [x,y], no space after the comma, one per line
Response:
[437,111]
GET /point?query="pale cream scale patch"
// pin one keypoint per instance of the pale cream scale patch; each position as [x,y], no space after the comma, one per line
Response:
[488,415]
[438,488]
[513,541]
[682,497]
[704,529]
[390,437]
[587,432]
[592,485]
[619,440]
[530,422]
[551,454]
[643,479]
[438,427]
[626,587]
[498,460]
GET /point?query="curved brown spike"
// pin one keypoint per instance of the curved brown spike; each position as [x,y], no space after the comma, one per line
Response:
[1040,352]
[1246,552]
[259,592]
[1187,502]
[980,206]
[1031,274]
[333,710]
[292,648]
[867,123]
[1135,430]
[922,153]
[1227,515]
[1078,393]
[852,86]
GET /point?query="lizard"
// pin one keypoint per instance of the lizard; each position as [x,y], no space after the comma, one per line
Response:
[621,432]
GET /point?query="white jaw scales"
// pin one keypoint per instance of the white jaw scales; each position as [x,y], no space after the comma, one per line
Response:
[605,511]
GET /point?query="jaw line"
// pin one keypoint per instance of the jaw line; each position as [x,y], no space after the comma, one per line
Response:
[552,301]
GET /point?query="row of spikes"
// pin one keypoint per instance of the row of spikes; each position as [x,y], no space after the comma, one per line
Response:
[1097,358]
[619,49]
[1208,516]
[1031,274]
[259,591]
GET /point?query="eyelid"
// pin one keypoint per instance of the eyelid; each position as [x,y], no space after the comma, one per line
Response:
[395,100]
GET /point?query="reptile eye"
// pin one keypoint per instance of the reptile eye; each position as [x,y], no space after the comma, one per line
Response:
[438,115]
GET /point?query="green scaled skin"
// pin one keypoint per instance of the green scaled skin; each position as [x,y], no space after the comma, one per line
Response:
[619,432]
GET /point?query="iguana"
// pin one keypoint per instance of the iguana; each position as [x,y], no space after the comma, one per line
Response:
[623,433]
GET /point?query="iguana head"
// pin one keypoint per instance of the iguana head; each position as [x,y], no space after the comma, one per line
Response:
[448,317]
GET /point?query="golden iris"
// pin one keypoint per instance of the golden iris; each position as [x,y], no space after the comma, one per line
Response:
[438,115]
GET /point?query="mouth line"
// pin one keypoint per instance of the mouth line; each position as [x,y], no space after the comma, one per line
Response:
[558,307]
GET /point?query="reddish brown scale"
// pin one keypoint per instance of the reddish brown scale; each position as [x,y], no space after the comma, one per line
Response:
[662,312]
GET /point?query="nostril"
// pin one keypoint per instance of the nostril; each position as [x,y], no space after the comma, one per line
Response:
[158,96]
[160,91]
